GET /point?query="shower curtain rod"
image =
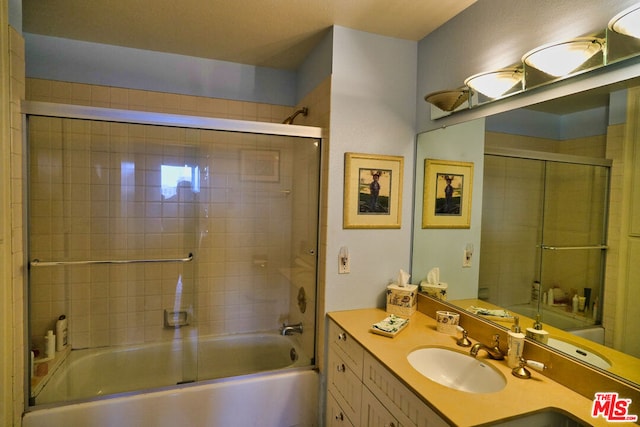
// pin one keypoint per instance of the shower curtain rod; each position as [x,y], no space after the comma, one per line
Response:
[38,263]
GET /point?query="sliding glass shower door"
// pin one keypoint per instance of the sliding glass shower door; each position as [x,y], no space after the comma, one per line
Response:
[148,238]
[544,220]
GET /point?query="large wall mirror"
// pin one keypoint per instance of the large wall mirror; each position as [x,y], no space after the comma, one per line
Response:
[550,246]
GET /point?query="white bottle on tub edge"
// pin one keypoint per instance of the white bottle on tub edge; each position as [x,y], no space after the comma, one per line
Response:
[61,333]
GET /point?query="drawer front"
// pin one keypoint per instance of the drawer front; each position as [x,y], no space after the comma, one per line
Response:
[347,347]
[345,385]
[374,414]
[335,415]
[405,406]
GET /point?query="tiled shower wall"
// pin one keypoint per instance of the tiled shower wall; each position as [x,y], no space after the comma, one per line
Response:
[245,234]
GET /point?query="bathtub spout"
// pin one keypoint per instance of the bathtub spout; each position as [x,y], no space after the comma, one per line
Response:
[290,329]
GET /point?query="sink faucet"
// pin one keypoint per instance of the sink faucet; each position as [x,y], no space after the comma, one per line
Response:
[494,352]
[290,329]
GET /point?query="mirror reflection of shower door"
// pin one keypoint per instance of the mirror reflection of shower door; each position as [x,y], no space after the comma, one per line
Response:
[573,236]
[532,203]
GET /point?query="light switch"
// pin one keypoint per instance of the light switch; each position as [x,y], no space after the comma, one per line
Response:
[344,264]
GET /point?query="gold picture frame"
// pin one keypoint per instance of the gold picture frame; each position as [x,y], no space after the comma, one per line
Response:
[372,191]
[447,194]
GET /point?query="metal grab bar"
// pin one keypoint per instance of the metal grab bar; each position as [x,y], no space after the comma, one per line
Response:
[38,263]
[568,248]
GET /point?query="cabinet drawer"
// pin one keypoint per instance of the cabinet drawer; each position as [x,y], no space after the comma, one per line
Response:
[345,385]
[350,351]
[405,406]
[335,416]
[374,414]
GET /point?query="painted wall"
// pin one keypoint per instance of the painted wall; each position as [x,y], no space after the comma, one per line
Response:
[94,63]
[372,111]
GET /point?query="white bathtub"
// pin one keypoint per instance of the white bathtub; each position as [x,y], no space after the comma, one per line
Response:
[572,323]
[258,384]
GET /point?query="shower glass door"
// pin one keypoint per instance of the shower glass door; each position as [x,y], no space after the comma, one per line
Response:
[544,221]
[574,237]
[153,239]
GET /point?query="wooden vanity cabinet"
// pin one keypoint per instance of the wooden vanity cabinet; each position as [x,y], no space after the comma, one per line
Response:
[362,392]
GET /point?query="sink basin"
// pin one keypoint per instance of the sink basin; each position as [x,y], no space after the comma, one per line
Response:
[580,352]
[456,370]
[545,418]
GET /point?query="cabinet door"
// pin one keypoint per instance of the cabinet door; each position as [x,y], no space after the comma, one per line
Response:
[345,385]
[406,407]
[373,413]
[335,415]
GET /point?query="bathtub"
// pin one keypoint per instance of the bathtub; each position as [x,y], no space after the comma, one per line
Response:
[572,323]
[256,379]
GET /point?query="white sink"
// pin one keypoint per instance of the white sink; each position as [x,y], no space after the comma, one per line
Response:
[456,370]
[580,352]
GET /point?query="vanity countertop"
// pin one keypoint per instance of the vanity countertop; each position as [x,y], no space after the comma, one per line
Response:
[519,397]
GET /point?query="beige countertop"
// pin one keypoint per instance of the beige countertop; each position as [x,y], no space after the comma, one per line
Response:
[519,397]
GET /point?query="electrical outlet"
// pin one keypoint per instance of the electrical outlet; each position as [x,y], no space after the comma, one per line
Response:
[344,263]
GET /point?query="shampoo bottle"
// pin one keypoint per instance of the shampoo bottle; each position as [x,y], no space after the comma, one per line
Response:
[50,341]
[515,341]
[61,333]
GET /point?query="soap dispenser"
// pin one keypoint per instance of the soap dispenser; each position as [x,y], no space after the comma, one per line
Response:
[515,341]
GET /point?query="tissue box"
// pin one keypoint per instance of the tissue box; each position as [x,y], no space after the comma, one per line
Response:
[402,300]
[438,291]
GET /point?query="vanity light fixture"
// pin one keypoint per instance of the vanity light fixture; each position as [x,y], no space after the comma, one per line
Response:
[494,84]
[627,22]
[448,100]
[562,58]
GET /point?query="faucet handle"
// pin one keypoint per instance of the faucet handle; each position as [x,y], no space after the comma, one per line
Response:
[521,372]
[464,341]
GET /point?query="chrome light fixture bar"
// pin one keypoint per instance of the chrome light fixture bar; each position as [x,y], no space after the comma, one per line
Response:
[494,84]
[562,58]
[627,22]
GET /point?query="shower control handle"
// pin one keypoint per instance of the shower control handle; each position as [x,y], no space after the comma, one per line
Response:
[342,337]
[340,417]
[341,368]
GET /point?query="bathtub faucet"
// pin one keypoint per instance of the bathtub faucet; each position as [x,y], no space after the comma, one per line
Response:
[290,329]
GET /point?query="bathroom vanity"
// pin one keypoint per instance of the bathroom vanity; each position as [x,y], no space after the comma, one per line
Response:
[371,382]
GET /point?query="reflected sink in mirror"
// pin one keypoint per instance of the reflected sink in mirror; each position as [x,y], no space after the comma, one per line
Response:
[579,352]
[456,370]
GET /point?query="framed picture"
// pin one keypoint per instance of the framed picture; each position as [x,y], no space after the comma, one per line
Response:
[372,191]
[260,165]
[447,194]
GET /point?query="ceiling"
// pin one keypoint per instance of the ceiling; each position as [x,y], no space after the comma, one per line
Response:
[269,33]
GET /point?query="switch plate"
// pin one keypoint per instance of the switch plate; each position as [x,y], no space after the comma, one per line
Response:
[466,258]
[344,262]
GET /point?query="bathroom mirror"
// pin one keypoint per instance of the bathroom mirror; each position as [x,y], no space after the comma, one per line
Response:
[580,113]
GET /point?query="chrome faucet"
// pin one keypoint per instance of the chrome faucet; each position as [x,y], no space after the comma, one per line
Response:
[494,351]
[290,329]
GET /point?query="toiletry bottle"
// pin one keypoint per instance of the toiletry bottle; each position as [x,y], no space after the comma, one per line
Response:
[50,341]
[515,341]
[61,333]
[574,303]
